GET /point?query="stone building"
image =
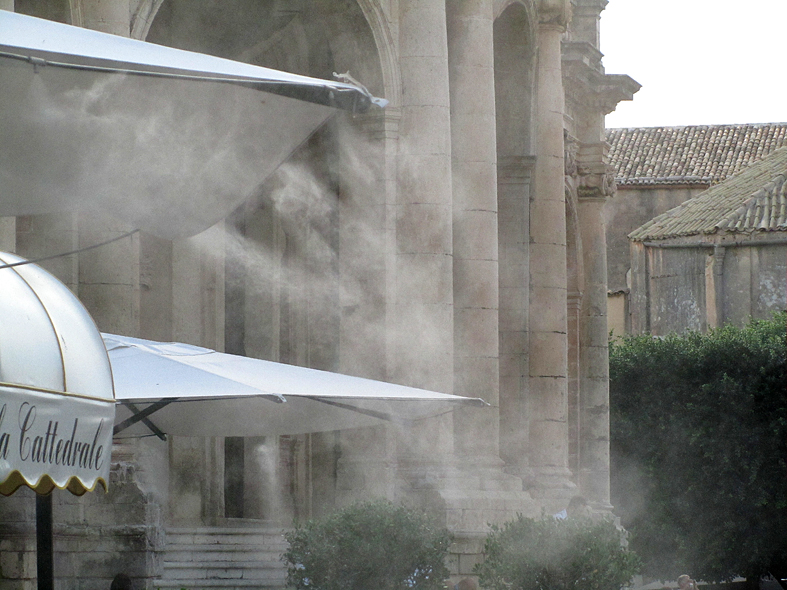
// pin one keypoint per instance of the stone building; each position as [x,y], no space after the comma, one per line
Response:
[658,168]
[452,241]
[718,258]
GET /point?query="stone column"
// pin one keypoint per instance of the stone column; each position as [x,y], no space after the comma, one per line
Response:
[363,264]
[547,311]
[596,184]
[423,314]
[474,177]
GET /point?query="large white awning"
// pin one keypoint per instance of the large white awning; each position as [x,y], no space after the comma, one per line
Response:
[193,391]
[168,141]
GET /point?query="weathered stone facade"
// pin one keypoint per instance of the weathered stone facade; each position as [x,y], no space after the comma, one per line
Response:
[453,241]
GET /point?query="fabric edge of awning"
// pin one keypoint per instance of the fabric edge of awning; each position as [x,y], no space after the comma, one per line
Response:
[123,55]
[45,484]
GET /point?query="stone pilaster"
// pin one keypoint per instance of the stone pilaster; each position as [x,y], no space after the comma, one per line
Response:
[475,262]
[514,176]
[573,309]
[547,320]
[714,288]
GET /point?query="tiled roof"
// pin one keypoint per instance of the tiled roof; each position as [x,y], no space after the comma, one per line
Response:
[697,154]
[754,200]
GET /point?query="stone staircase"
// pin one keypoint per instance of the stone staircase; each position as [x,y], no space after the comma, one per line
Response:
[230,558]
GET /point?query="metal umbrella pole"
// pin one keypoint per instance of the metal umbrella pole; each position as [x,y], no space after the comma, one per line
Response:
[44,543]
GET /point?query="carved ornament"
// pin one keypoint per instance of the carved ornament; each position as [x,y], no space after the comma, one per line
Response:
[554,12]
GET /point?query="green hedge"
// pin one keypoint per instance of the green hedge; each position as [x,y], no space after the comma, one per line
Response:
[699,450]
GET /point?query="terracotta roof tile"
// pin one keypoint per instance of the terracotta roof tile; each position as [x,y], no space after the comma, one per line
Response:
[697,154]
[753,200]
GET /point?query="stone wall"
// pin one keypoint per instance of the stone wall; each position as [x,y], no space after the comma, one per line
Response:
[95,536]
[701,285]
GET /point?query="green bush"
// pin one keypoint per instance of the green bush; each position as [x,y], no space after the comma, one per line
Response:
[698,426]
[552,554]
[368,546]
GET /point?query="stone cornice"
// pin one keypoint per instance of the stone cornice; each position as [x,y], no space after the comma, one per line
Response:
[588,7]
[586,83]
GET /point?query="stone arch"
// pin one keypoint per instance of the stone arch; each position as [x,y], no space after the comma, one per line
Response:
[142,17]
[514,47]
[386,48]
[145,12]
[501,6]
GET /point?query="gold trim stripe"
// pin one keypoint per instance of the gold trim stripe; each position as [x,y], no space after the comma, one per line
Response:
[55,392]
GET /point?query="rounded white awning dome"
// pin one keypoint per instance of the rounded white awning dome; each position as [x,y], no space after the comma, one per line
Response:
[56,394]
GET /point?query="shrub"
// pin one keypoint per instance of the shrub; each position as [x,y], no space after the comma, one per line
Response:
[552,554]
[698,427]
[371,545]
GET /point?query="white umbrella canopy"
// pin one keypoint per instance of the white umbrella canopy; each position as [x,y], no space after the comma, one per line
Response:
[208,393]
[56,398]
[168,141]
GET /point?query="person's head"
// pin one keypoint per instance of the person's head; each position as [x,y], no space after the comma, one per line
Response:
[685,582]
[467,584]
[121,582]
[578,506]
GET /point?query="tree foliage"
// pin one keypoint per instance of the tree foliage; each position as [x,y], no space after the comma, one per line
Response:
[368,545]
[699,443]
[552,554]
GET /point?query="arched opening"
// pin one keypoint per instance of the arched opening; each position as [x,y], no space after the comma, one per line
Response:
[282,250]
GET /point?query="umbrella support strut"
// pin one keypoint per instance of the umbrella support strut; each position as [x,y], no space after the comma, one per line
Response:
[44,543]
[142,416]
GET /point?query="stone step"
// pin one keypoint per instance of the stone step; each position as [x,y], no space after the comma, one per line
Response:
[229,558]
[222,554]
[172,584]
[218,572]
[205,536]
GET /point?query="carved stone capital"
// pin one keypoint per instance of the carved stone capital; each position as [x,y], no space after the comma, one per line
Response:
[570,147]
[554,12]
[595,177]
